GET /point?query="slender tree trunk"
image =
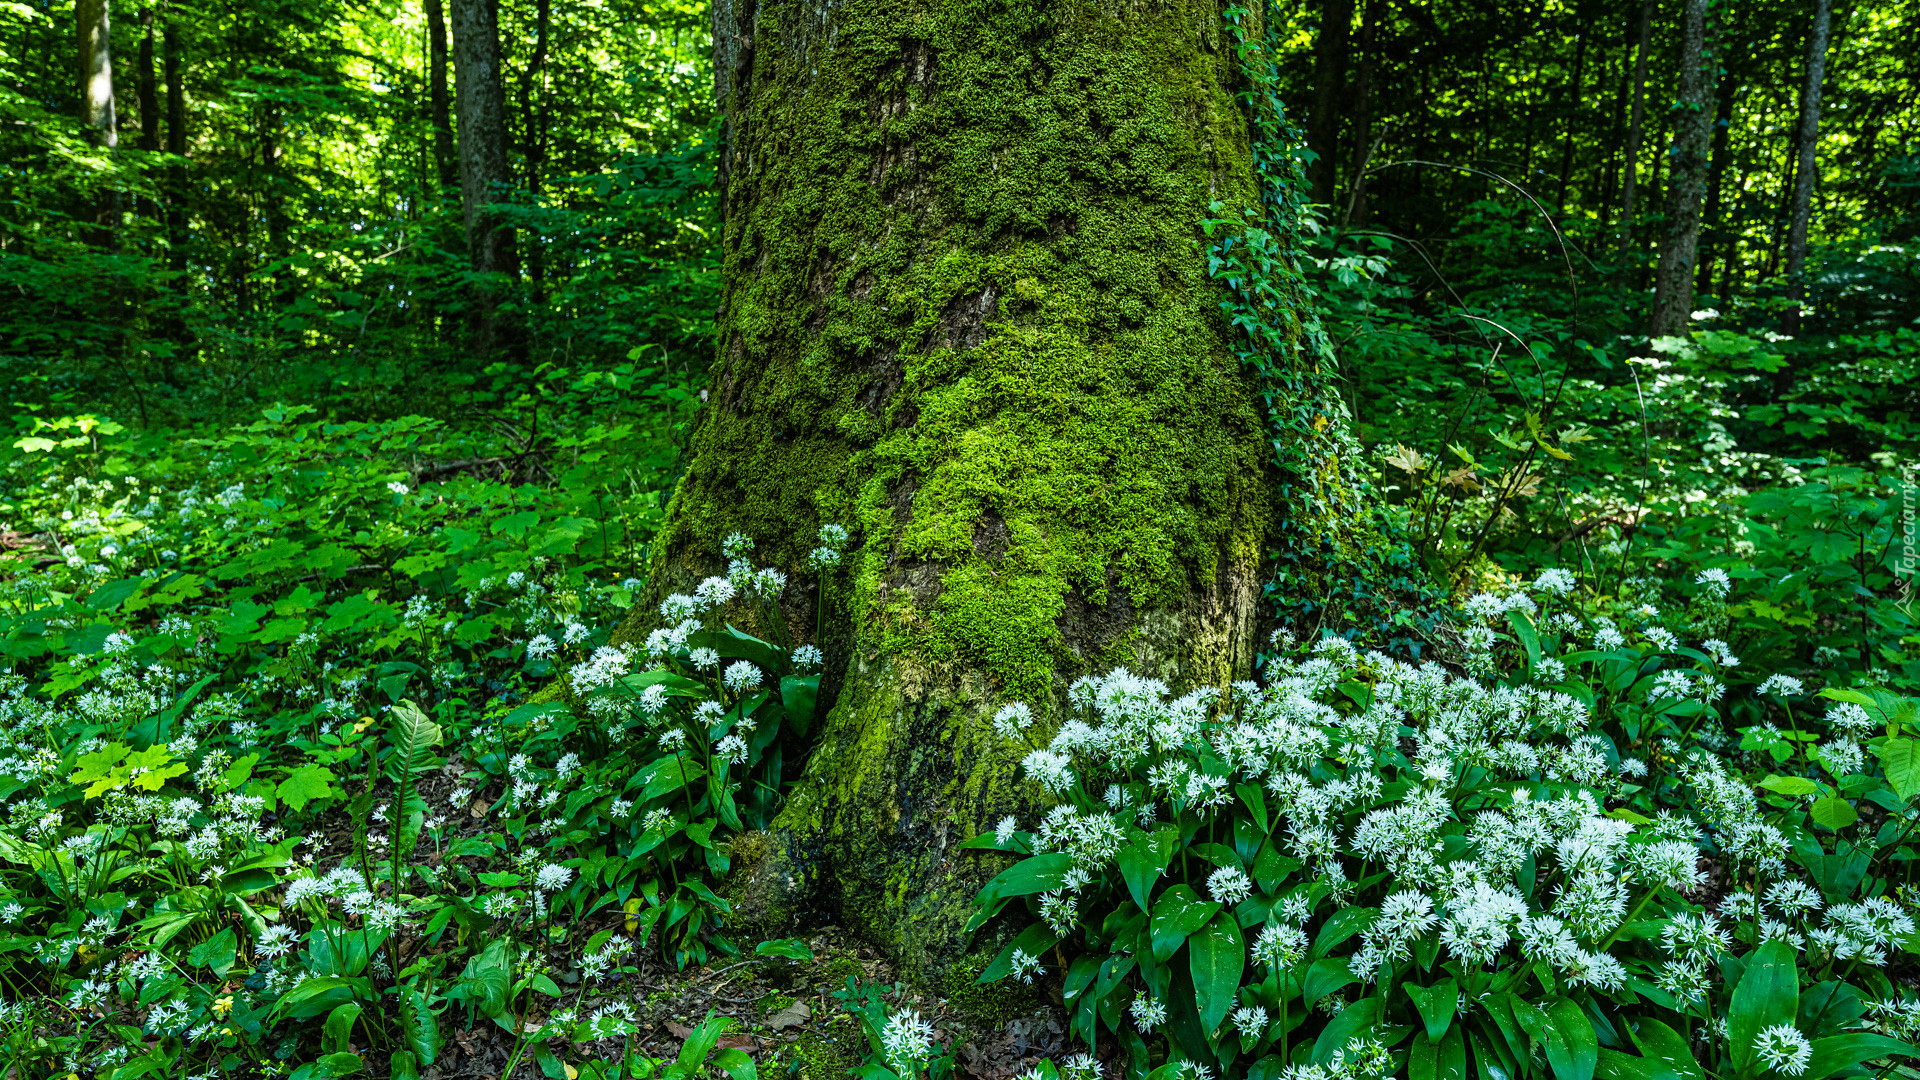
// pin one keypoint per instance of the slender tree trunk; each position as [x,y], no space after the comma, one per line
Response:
[1329,91]
[1636,130]
[966,314]
[1360,108]
[446,163]
[534,100]
[1686,175]
[1715,238]
[93,50]
[1805,144]
[1570,115]
[480,98]
[173,61]
[148,88]
[1610,185]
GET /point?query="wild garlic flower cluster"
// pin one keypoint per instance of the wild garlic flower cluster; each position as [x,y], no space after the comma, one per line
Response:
[1532,869]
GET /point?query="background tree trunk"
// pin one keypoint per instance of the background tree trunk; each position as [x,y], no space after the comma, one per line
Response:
[1570,112]
[93,44]
[480,98]
[1687,175]
[967,315]
[1808,140]
[147,87]
[1329,90]
[1636,129]
[534,118]
[94,54]
[446,164]
[1716,242]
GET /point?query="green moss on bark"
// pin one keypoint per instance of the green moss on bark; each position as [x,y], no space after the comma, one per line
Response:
[967,315]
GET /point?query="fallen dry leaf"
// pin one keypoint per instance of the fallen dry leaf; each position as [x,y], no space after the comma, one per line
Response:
[792,1016]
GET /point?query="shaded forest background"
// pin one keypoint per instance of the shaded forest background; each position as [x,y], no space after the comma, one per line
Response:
[213,207]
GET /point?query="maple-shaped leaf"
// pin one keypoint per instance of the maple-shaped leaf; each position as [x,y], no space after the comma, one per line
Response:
[305,784]
[1406,459]
[150,769]
[97,769]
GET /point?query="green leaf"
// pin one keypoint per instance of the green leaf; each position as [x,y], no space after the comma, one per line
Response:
[1437,1005]
[1178,913]
[489,976]
[799,695]
[304,785]
[1324,976]
[1353,1021]
[337,1032]
[1791,785]
[735,1063]
[1833,813]
[1837,1052]
[1035,940]
[1437,1059]
[1576,1045]
[1344,924]
[1529,639]
[1614,1065]
[216,953]
[1218,957]
[1034,874]
[335,1065]
[1667,1048]
[1143,860]
[1768,994]
[413,737]
[1901,759]
[419,1026]
[791,948]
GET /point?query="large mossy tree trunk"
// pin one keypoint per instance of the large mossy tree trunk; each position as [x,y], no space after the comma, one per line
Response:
[967,315]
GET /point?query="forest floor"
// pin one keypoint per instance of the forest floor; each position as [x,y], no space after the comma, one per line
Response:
[788,1018]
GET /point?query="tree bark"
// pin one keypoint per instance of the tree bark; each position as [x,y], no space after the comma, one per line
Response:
[94,50]
[1636,129]
[173,62]
[479,96]
[534,111]
[1570,114]
[1716,239]
[1805,144]
[94,55]
[1329,90]
[1360,108]
[148,89]
[1687,175]
[966,314]
[148,86]
[446,164]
